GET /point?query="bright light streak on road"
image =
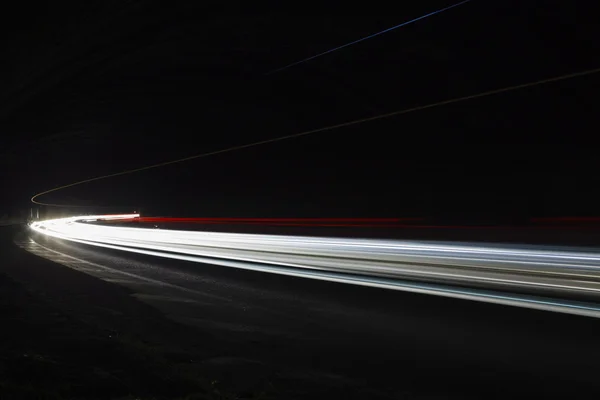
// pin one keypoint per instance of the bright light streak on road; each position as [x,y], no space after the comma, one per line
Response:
[370,36]
[507,275]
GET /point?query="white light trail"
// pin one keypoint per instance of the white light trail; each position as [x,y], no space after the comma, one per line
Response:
[467,271]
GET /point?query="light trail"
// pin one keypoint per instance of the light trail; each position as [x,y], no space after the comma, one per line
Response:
[368,37]
[310,132]
[534,277]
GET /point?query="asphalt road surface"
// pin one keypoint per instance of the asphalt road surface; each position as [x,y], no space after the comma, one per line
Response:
[393,342]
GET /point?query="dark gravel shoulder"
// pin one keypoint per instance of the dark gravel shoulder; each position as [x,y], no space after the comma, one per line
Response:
[66,334]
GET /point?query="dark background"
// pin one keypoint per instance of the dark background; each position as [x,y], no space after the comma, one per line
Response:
[97,88]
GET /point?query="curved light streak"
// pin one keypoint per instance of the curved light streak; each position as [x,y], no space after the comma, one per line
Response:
[312,131]
[528,276]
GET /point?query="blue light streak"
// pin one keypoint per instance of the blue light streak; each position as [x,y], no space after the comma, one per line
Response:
[370,36]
